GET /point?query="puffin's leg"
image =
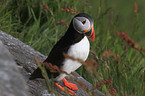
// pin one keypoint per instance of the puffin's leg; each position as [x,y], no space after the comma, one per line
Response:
[70,85]
[65,89]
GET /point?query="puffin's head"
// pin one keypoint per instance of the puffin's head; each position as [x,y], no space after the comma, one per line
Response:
[83,24]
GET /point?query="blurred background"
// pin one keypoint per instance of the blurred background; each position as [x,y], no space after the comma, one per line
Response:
[41,23]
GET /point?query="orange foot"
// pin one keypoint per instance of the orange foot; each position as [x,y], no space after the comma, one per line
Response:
[70,85]
[65,89]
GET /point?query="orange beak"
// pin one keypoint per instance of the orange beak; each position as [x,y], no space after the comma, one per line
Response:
[92,36]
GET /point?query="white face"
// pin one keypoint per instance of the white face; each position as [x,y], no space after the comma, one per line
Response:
[81,24]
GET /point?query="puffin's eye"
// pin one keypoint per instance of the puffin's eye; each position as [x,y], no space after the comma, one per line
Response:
[84,22]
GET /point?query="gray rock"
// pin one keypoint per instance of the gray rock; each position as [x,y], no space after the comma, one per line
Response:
[24,56]
[11,81]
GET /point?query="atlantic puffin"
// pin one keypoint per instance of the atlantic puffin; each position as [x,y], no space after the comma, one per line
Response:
[74,43]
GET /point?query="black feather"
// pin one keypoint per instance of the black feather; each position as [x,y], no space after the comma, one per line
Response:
[56,57]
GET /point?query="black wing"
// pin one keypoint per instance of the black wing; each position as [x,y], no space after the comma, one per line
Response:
[55,57]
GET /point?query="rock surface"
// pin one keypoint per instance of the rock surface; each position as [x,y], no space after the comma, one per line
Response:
[24,56]
[11,81]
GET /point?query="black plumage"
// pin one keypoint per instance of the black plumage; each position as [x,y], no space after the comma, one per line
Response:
[56,57]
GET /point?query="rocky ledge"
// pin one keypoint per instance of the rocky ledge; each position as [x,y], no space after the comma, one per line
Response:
[16,65]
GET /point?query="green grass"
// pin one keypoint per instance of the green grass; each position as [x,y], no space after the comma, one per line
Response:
[41,28]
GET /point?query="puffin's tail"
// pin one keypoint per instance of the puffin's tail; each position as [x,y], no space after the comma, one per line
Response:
[36,74]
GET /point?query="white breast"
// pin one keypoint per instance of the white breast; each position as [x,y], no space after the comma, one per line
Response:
[79,50]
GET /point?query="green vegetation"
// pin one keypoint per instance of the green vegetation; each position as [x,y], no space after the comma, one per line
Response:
[38,24]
